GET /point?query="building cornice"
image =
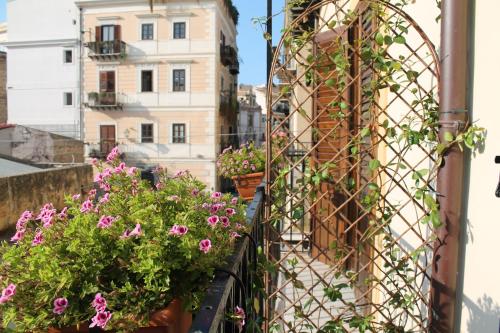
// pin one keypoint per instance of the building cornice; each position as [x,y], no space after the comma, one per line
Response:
[49,42]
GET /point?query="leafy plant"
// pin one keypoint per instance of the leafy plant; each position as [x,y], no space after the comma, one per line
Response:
[243,161]
[116,258]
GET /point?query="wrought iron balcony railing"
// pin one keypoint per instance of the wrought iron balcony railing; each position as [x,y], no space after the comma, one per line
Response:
[228,103]
[107,50]
[105,100]
[229,56]
[234,285]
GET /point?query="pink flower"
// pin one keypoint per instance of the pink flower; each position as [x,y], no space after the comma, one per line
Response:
[75,197]
[120,168]
[26,215]
[104,199]
[136,232]
[107,172]
[113,154]
[214,209]
[63,214]
[234,235]
[205,205]
[93,161]
[213,220]
[92,192]
[175,198]
[48,218]
[101,319]
[238,226]
[239,314]
[252,167]
[21,224]
[99,303]
[181,173]
[216,195]
[132,171]
[86,206]
[38,239]
[195,192]
[234,201]
[18,236]
[225,221]
[105,221]
[205,245]
[230,211]
[159,186]
[60,305]
[178,230]
[99,178]
[8,293]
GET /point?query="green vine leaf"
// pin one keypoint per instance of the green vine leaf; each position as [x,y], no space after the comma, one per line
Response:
[374,164]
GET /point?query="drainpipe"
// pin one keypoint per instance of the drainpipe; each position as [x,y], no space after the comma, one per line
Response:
[450,181]
[80,72]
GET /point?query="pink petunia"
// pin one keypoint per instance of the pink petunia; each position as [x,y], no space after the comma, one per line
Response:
[105,221]
[38,239]
[225,221]
[213,220]
[87,206]
[99,303]
[230,211]
[101,319]
[205,245]
[60,305]
[18,236]
[8,293]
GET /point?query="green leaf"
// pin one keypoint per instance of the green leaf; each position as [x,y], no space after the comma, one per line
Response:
[388,40]
[399,39]
[374,164]
[330,83]
[343,105]
[379,39]
[448,136]
[365,132]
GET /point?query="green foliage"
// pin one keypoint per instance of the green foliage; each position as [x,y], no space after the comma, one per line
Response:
[136,273]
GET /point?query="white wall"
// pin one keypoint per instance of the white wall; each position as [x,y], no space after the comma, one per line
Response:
[37,77]
[481,298]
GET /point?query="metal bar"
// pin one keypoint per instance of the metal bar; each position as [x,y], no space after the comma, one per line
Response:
[453,96]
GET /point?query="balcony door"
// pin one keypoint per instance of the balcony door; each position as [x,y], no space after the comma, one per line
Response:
[107,88]
[108,138]
[109,37]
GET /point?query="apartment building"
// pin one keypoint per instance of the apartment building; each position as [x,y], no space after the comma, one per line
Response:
[249,116]
[43,79]
[160,83]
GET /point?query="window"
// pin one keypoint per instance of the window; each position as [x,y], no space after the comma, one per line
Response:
[179,133]
[68,99]
[179,30]
[108,33]
[179,83]
[250,119]
[68,56]
[147,133]
[147,81]
[147,31]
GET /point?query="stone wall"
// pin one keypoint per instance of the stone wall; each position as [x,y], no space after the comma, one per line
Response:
[31,191]
[3,87]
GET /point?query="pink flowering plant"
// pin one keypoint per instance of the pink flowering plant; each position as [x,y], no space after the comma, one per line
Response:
[113,259]
[243,161]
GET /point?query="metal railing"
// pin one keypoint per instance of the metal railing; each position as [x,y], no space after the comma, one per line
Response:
[234,285]
[105,99]
[228,102]
[107,48]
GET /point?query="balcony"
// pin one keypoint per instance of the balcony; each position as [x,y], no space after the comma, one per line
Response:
[228,103]
[105,101]
[229,57]
[308,22]
[107,50]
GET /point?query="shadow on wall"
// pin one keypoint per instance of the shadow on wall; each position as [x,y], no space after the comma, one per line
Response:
[484,315]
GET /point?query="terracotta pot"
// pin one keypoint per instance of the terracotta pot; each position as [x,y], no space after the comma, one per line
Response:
[247,184]
[172,319]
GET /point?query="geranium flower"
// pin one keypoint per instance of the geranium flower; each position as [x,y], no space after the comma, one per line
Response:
[99,303]
[60,305]
[230,212]
[178,230]
[38,239]
[113,154]
[75,197]
[132,171]
[216,195]
[104,199]
[105,221]
[120,168]
[18,236]
[240,315]
[195,192]
[92,192]
[225,221]
[205,245]
[87,206]
[8,293]
[213,220]
[101,319]
[234,200]
[234,235]
[63,214]
[136,232]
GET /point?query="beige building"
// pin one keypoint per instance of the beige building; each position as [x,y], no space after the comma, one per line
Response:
[250,126]
[160,84]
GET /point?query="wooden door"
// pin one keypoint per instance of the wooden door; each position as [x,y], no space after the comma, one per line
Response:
[108,138]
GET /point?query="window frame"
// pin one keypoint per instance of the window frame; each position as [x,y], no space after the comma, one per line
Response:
[142,71]
[148,139]
[175,137]
[182,32]
[179,87]
[150,33]
[64,57]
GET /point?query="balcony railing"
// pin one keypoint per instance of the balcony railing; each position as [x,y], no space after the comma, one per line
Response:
[107,50]
[105,100]
[229,57]
[234,285]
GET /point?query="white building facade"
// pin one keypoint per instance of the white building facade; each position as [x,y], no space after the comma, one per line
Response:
[250,126]
[43,80]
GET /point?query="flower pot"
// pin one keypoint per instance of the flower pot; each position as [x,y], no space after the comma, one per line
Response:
[247,184]
[172,319]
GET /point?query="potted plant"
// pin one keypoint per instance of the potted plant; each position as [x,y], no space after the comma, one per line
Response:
[132,258]
[92,97]
[245,166]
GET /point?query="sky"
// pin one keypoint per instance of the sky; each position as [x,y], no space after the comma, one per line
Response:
[251,43]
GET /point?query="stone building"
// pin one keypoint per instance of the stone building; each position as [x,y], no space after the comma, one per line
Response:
[3,87]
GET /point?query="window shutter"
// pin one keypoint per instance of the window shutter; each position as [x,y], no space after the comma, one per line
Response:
[103,81]
[118,38]
[98,34]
